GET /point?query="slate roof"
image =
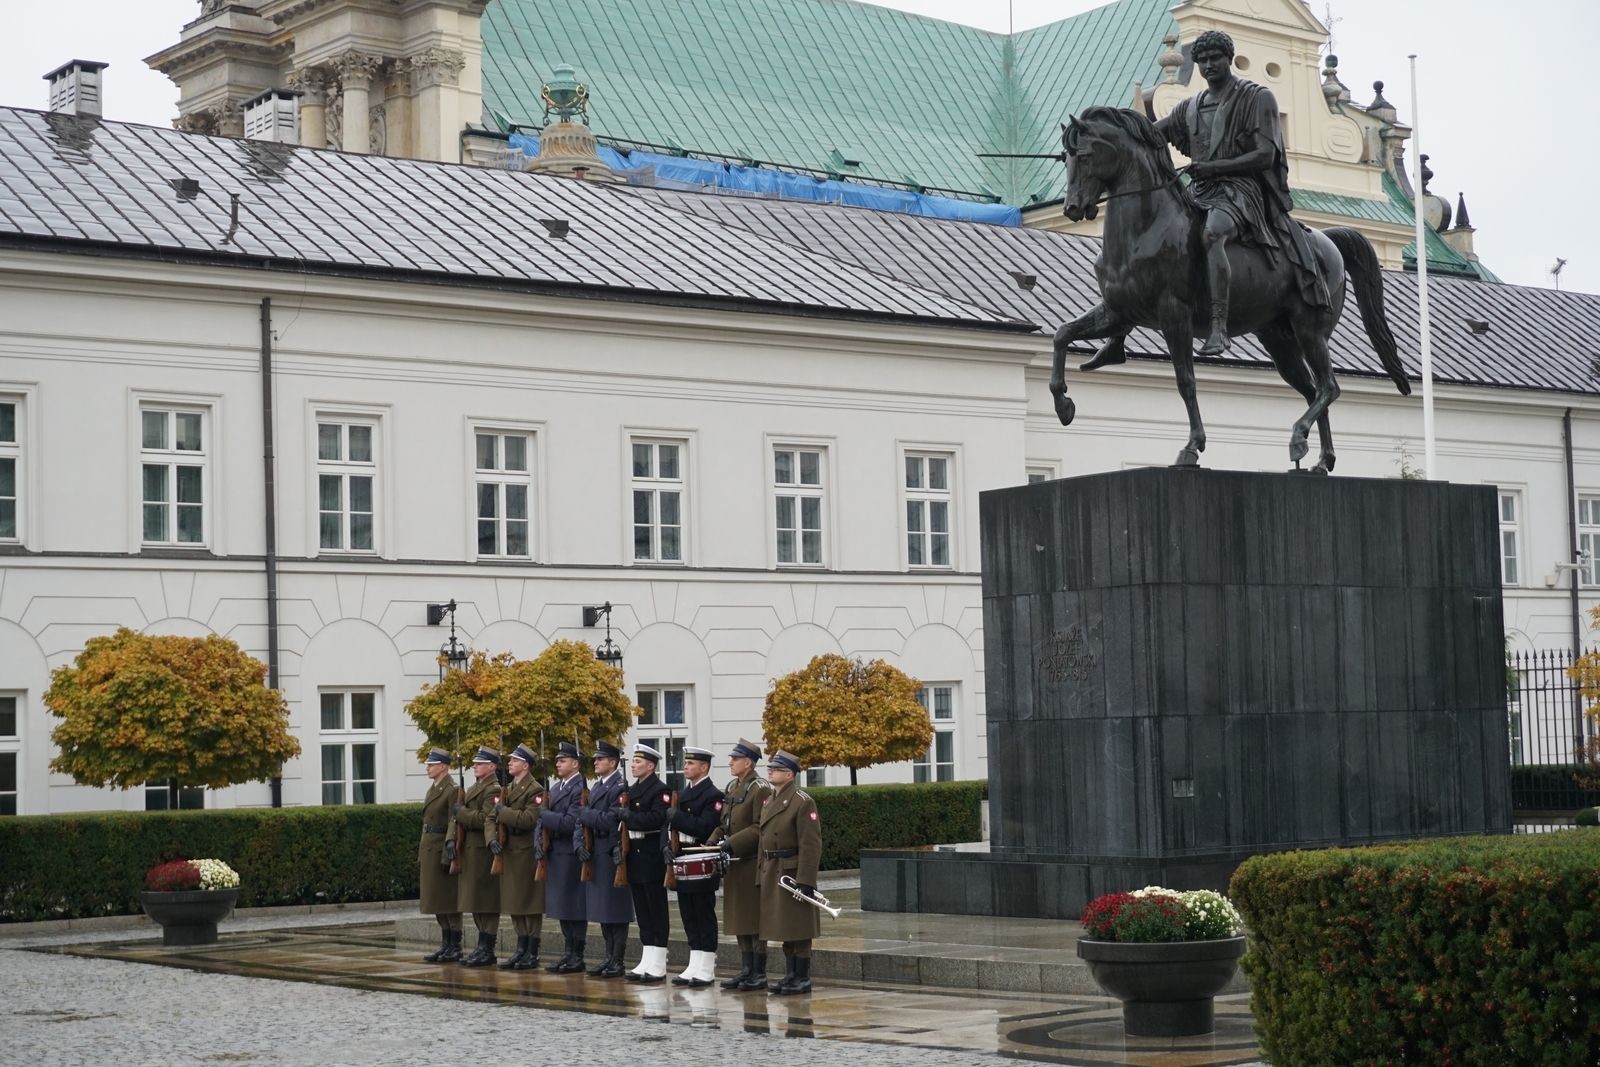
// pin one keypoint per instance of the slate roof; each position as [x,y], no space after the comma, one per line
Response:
[1536,339]
[789,81]
[109,187]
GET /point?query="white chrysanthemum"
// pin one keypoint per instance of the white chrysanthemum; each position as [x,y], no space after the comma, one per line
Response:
[1211,915]
[214,874]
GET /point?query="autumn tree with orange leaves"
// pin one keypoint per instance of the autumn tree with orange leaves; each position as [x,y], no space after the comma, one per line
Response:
[838,712]
[138,708]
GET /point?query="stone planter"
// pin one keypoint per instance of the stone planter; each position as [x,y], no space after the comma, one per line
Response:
[189,917]
[1167,988]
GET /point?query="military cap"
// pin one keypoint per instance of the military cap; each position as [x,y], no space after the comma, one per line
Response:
[747,749]
[606,750]
[783,758]
[521,752]
[438,755]
[568,750]
[647,752]
[704,755]
[486,755]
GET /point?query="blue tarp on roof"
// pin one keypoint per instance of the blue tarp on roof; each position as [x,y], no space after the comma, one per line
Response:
[795,186]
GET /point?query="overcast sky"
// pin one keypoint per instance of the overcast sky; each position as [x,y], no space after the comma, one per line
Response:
[1502,96]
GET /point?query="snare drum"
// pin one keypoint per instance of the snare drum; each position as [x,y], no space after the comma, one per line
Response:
[697,866]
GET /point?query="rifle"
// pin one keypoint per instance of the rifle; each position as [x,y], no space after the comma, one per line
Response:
[461,797]
[586,874]
[498,866]
[621,880]
[671,880]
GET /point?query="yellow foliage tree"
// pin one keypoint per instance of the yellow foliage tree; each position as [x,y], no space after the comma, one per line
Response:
[137,708]
[1585,670]
[502,702]
[838,712]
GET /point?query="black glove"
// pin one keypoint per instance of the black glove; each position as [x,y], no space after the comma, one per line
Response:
[808,890]
[450,851]
[726,850]
[457,809]
[616,853]
[496,847]
[584,855]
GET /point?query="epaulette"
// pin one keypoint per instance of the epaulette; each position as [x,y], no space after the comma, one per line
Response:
[803,795]
[758,780]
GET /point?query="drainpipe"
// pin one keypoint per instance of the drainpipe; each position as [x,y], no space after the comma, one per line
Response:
[271,512]
[1572,533]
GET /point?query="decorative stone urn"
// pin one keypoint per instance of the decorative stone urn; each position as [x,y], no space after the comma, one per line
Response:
[1166,988]
[189,917]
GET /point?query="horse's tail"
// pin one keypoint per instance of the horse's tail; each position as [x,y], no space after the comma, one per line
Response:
[1366,278]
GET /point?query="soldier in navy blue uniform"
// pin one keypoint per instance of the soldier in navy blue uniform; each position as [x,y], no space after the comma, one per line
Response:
[608,904]
[698,814]
[645,813]
[564,893]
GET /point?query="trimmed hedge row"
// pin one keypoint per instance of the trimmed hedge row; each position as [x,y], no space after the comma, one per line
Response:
[71,866]
[1458,951]
[1550,787]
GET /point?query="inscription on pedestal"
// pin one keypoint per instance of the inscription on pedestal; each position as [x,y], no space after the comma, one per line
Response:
[1066,658]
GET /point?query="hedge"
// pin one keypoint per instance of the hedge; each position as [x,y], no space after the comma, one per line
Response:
[1457,951]
[71,866]
[1550,787]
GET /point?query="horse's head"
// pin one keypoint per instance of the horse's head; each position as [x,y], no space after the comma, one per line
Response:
[1100,145]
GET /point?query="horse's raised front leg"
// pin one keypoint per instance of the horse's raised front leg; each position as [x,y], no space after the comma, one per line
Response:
[1180,343]
[1311,330]
[1096,324]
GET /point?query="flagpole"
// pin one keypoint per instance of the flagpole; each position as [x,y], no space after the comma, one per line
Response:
[1430,468]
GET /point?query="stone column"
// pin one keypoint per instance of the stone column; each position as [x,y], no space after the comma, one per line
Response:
[356,71]
[434,75]
[313,83]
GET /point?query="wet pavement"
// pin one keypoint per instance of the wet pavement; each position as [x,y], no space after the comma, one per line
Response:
[1051,1027]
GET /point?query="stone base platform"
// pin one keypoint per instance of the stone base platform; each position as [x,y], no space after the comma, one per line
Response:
[1015,955]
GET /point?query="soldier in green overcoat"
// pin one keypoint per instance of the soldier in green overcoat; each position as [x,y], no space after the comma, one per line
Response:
[521,894]
[435,854]
[473,828]
[791,844]
[739,837]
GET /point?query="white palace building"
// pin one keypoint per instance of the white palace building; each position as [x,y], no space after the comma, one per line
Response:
[756,427]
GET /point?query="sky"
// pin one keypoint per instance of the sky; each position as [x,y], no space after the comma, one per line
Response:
[1502,88]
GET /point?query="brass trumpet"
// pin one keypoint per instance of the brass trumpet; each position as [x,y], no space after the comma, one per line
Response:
[817,900]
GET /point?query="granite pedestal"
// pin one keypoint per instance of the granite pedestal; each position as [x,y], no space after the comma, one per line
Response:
[1185,668]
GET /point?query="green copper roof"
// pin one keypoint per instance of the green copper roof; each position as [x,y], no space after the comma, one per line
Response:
[808,83]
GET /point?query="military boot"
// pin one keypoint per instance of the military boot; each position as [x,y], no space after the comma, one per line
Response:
[483,956]
[516,957]
[748,960]
[453,953]
[444,947]
[574,964]
[798,980]
[788,974]
[530,958]
[758,973]
[616,948]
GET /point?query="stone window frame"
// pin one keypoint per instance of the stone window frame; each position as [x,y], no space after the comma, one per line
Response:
[173,459]
[347,737]
[18,452]
[532,478]
[1589,537]
[655,485]
[823,492]
[11,752]
[927,496]
[927,767]
[1510,525]
[377,417]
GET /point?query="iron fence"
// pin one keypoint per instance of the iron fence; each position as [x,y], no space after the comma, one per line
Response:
[1547,729]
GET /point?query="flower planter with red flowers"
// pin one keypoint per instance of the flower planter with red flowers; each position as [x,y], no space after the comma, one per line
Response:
[187,898]
[1165,955]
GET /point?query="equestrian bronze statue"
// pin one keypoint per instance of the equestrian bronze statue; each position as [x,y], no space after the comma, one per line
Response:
[1218,257]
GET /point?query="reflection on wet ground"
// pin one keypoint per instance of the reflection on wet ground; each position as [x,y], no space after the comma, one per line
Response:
[1050,1027]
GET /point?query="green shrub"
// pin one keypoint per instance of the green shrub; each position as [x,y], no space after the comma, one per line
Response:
[1587,817]
[1459,951]
[1550,787]
[855,817]
[72,866]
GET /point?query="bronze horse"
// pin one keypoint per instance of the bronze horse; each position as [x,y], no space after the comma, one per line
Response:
[1152,273]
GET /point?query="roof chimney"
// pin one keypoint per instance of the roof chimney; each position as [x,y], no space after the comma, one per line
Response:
[75,88]
[273,115]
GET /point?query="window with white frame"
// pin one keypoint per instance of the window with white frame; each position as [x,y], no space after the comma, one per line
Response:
[349,746]
[346,476]
[1510,541]
[664,726]
[938,764]
[1589,539]
[10,470]
[797,478]
[658,501]
[172,466]
[1040,474]
[169,796]
[8,755]
[816,777]
[927,510]
[503,481]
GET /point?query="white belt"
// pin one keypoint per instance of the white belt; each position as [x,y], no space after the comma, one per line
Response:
[637,835]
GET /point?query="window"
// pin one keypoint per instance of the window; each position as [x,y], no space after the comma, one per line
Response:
[9,462]
[345,474]
[1589,539]
[350,758]
[928,510]
[1040,473]
[8,717]
[797,474]
[664,727]
[166,796]
[657,502]
[816,777]
[1509,574]
[503,488]
[8,783]
[938,764]
[172,460]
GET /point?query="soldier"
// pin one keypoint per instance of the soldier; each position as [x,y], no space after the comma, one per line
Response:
[644,813]
[559,830]
[693,821]
[520,894]
[791,844]
[472,826]
[607,904]
[435,854]
[739,838]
